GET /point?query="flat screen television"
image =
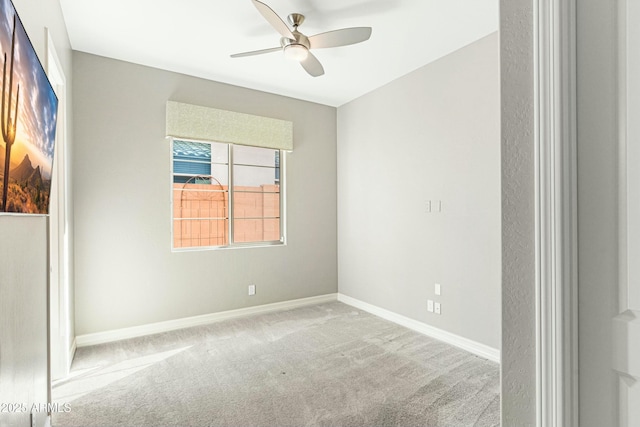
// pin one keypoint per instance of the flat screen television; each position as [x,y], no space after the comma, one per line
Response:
[28,113]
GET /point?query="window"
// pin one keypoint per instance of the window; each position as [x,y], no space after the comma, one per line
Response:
[225,195]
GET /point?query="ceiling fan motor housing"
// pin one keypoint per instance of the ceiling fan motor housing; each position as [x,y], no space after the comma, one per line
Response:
[295,19]
[300,39]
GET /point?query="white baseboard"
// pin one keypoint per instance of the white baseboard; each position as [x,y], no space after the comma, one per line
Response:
[171,325]
[471,346]
[205,319]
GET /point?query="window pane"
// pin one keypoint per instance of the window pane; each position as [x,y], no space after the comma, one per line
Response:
[199,201]
[244,155]
[201,194]
[256,205]
[188,150]
[200,151]
[256,230]
[189,233]
[220,174]
[200,213]
[195,159]
[256,198]
[191,168]
[219,153]
[253,176]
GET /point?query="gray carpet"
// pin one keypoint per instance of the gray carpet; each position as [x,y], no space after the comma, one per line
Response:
[323,365]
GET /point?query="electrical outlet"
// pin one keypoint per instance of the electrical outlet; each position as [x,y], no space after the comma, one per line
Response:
[252,289]
[436,308]
[430,306]
[438,289]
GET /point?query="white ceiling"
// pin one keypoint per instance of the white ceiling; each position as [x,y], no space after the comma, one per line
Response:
[196,37]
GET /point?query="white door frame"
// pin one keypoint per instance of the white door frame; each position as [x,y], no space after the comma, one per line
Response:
[60,316]
[556,213]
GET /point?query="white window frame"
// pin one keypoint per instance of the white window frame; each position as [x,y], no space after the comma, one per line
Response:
[230,226]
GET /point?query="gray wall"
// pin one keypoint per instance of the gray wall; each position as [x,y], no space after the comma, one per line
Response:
[126,274]
[433,134]
[23,251]
[597,208]
[518,191]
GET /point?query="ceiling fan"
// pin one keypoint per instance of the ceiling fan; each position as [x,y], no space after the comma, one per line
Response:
[296,45]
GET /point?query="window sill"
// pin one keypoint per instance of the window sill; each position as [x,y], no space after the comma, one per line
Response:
[230,247]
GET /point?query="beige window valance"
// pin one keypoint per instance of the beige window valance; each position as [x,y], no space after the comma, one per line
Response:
[210,124]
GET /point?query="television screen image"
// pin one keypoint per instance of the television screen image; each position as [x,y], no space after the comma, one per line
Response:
[28,113]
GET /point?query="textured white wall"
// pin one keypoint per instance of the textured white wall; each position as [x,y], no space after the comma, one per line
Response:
[433,134]
[518,191]
[126,274]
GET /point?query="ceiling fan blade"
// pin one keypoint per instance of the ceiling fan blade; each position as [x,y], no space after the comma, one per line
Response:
[343,37]
[312,65]
[256,52]
[273,19]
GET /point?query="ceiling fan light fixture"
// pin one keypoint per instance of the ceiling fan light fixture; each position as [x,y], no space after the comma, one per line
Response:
[296,45]
[296,52]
